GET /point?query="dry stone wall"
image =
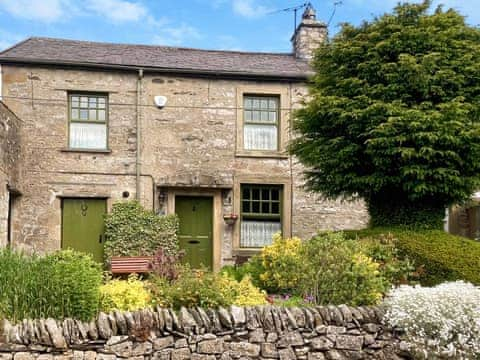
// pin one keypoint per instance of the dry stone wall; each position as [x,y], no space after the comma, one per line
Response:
[237,333]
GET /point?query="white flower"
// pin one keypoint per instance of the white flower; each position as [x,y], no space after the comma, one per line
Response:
[442,320]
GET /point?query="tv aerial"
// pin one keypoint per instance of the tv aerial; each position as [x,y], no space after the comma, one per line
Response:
[307,4]
[293,9]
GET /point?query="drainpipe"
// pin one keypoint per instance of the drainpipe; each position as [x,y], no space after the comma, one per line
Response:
[1,83]
[138,127]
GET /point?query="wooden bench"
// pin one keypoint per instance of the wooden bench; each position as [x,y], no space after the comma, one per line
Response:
[130,264]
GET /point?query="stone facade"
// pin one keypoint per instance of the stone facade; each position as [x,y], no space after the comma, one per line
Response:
[187,147]
[237,333]
[9,153]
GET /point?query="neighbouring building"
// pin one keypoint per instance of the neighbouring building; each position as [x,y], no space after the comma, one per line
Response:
[85,124]
[464,220]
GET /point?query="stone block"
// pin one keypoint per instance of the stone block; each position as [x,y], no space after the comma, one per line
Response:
[163,342]
[211,347]
[349,342]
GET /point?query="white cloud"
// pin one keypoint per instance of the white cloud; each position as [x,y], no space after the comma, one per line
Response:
[49,11]
[117,10]
[45,10]
[170,35]
[248,8]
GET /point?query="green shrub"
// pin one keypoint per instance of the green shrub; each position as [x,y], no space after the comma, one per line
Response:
[124,295]
[290,301]
[439,256]
[59,285]
[132,230]
[281,261]
[253,268]
[336,271]
[327,269]
[397,269]
[191,288]
[205,289]
[274,269]
[245,292]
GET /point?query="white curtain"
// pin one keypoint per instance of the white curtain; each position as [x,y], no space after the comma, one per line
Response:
[88,136]
[260,137]
[258,233]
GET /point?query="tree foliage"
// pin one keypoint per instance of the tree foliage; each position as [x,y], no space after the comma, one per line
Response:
[394,114]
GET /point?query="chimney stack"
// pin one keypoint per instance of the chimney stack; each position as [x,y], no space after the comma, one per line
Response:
[308,35]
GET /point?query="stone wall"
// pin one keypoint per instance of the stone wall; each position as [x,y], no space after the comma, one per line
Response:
[9,153]
[189,145]
[238,333]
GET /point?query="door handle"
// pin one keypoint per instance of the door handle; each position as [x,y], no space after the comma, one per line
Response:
[194,242]
[100,238]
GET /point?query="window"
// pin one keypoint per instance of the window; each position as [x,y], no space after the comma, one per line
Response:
[88,121]
[261,210]
[260,122]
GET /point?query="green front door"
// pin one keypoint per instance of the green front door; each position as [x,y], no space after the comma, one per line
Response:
[196,227]
[83,226]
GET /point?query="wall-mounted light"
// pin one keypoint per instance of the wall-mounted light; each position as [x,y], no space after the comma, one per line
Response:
[162,196]
[160,101]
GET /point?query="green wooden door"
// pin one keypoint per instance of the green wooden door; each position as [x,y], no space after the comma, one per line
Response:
[83,226]
[196,227]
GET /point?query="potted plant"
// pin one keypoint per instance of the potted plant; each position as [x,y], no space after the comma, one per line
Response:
[230,218]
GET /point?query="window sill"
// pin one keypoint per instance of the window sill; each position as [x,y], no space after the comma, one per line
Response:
[262,154]
[94,151]
[246,251]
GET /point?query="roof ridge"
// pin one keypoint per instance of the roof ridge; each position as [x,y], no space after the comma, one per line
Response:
[154,46]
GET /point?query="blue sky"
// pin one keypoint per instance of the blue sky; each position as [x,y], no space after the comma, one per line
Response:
[249,25]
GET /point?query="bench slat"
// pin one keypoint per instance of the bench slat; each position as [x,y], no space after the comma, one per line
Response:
[130,264]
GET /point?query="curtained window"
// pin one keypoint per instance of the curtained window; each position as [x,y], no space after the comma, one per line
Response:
[88,121]
[260,122]
[261,214]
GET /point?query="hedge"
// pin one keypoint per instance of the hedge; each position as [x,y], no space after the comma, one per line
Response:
[445,257]
[132,230]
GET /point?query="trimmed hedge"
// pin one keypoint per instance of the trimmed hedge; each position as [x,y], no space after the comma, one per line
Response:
[445,257]
[132,230]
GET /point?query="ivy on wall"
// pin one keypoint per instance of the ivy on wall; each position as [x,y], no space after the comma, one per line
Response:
[132,230]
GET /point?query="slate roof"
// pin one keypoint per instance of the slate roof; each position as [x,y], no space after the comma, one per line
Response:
[38,50]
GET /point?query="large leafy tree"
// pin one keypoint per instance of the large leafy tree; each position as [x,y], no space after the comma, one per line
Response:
[394,113]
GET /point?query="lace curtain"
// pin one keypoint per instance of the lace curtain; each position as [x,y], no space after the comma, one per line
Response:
[260,137]
[258,233]
[88,136]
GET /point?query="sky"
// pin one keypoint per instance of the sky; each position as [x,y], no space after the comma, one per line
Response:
[244,25]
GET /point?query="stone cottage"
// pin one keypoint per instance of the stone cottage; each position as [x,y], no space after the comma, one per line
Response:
[199,133]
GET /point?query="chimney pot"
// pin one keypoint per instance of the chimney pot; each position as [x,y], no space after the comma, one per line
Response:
[309,34]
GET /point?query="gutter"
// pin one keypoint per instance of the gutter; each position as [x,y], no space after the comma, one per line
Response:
[170,71]
[138,128]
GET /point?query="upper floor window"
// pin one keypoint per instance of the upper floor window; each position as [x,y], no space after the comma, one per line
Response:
[88,121]
[260,214]
[260,122]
